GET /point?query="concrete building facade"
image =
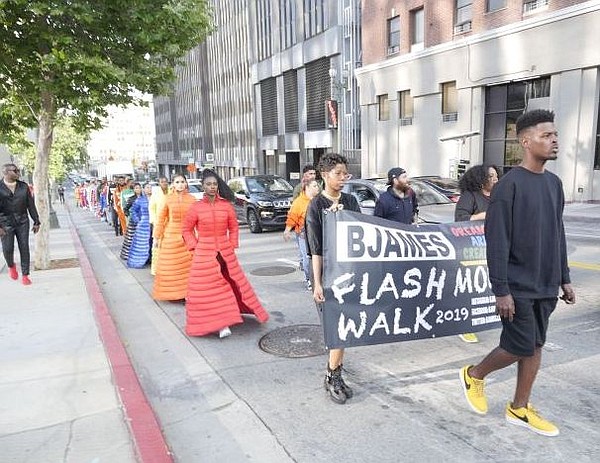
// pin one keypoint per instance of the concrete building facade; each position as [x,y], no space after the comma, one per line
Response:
[444,81]
[303,57]
[208,120]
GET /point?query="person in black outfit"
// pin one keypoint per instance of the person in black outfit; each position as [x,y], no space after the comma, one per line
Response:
[61,194]
[398,202]
[15,202]
[334,171]
[475,189]
[527,262]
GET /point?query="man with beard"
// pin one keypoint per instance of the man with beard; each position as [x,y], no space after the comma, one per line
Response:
[15,202]
[399,202]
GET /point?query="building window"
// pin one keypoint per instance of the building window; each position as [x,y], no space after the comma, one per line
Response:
[493,5]
[383,107]
[534,6]
[314,17]
[463,16]
[417,26]
[597,154]
[318,91]
[290,102]
[393,27]
[405,107]
[263,29]
[449,102]
[287,13]
[503,105]
[268,100]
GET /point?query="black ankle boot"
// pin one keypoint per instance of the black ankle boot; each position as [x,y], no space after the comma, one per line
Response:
[347,389]
[335,385]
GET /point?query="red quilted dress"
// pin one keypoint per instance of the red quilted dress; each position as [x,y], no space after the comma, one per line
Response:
[218,290]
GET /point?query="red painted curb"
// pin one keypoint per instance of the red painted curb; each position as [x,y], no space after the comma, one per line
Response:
[148,440]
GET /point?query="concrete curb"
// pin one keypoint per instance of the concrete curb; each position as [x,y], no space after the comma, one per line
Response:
[149,442]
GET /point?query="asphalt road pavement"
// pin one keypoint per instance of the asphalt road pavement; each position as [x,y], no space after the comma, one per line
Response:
[227,400]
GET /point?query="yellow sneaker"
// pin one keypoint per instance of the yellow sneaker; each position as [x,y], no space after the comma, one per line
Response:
[469,337]
[530,418]
[473,389]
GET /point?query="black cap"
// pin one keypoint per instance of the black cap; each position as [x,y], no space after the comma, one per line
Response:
[393,173]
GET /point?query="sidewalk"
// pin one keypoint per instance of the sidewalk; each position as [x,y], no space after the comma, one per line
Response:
[57,397]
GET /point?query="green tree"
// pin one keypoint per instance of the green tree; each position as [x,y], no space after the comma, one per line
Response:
[69,149]
[81,56]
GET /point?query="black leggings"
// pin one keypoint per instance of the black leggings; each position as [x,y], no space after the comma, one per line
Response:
[21,232]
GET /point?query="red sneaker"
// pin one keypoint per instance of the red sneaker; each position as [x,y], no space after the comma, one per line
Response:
[12,272]
[25,280]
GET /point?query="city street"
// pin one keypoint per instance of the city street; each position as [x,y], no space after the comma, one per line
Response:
[227,400]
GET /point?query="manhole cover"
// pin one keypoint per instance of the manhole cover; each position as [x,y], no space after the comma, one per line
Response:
[273,270]
[294,341]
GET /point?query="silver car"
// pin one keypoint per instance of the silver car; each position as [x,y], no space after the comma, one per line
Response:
[434,207]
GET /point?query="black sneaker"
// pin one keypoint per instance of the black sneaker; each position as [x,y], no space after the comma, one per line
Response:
[334,385]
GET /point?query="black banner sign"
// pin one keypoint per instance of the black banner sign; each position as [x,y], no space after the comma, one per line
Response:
[389,282]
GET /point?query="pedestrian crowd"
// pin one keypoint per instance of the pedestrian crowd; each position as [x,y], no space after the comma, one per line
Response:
[188,244]
[191,248]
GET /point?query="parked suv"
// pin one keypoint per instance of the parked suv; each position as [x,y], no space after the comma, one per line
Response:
[262,201]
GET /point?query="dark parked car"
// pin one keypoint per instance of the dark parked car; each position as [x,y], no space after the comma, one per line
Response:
[434,207]
[445,185]
[262,201]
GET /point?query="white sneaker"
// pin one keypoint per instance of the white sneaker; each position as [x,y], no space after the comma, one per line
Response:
[224,332]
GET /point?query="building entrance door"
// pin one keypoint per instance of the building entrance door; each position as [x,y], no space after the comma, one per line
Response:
[292,167]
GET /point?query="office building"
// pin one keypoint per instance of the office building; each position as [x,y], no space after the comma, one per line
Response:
[444,81]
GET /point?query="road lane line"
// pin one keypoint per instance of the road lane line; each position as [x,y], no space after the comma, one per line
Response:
[584,265]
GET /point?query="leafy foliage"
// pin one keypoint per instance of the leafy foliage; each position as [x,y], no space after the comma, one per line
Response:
[79,56]
[69,149]
[88,54]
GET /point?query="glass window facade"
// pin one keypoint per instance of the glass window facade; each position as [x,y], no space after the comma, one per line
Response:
[503,105]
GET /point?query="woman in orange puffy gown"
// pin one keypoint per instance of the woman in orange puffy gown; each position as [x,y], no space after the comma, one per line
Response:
[173,267]
[218,290]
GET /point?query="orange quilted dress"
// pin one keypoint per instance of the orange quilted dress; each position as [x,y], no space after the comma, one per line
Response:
[173,267]
[218,290]
[119,209]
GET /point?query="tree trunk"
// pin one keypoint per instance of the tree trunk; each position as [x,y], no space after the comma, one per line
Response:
[40,181]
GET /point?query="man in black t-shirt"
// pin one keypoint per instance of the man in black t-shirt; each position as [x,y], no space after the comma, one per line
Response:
[527,262]
[334,171]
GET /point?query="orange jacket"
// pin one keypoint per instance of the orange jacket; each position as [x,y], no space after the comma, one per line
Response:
[297,212]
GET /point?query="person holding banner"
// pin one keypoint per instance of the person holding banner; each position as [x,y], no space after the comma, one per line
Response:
[475,189]
[398,202]
[527,263]
[334,171]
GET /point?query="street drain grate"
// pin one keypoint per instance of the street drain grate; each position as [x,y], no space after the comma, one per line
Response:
[294,341]
[273,270]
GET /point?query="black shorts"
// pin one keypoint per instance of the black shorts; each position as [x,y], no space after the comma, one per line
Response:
[528,328]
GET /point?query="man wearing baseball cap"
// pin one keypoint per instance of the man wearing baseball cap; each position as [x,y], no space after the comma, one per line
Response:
[399,202]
